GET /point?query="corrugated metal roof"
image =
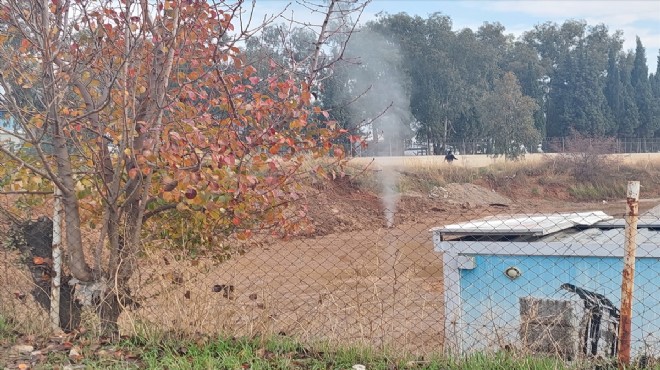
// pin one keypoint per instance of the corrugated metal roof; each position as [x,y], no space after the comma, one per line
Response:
[613,231]
[646,220]
[585,227]
[533,225]
[601,236]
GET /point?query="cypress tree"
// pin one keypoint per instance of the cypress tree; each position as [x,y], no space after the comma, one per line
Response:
[639,79]
[560,104]
[655,81]
[614,89]
[629,117]
[588,101]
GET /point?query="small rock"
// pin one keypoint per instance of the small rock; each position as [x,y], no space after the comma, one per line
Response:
[335,210]
[73,367]
[359,367]
[260,352]
[416,364]
[22,349]
[439,192]
[75,353]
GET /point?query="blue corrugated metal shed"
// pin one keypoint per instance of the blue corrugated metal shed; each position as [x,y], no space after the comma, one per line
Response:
[586,250]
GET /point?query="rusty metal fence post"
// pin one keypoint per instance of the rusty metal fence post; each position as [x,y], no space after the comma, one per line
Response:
[628,277]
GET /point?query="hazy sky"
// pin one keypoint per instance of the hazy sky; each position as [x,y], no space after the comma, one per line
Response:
[634,18]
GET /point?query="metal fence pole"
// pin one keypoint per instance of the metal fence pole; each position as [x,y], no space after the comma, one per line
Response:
[627,283]
[452,338]
[57,262]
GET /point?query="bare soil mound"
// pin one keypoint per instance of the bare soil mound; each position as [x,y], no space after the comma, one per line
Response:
[468,194]
[342,206]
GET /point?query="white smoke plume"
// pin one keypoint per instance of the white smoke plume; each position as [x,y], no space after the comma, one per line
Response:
[383,105]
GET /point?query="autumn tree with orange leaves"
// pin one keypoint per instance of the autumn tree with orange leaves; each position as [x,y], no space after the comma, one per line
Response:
[134,107]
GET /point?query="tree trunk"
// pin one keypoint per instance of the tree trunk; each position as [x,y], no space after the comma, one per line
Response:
[64,178]
[428,141]
[109,309]
[444,135]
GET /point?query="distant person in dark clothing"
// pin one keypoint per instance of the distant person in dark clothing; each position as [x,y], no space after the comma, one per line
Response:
[450,157]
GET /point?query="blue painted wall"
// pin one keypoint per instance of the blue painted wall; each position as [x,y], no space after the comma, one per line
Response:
[490,300]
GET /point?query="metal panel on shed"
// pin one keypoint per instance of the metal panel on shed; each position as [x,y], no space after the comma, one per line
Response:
[535,225]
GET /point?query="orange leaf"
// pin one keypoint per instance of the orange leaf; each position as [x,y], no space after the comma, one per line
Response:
[38,260]
[236,221]
[244,235]
[297,124]
[306,97]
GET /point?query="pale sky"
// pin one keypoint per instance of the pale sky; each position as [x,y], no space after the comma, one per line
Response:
[634,18]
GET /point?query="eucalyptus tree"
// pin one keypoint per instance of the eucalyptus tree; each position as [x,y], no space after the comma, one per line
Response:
[526,64]
[509,118]
[439,102]
[378,89]
[434,82]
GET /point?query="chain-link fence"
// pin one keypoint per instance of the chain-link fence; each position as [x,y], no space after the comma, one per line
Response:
[460,278]
[602,145]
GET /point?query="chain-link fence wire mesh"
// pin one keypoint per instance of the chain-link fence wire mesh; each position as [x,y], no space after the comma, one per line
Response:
[484,278]
[574,144]
[26,232]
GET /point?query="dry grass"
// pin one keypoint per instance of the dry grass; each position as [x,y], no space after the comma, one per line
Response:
[413,178]
[16,302]
[541,182]
[360,288]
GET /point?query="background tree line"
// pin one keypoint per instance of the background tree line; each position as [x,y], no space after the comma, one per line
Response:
[482,86]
